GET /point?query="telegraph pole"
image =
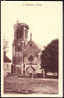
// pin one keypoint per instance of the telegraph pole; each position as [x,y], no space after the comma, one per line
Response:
[23,52]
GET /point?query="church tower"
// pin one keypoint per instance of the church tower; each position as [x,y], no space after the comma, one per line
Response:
[20,40]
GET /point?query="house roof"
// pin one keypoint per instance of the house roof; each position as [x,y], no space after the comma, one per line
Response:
[6,59]
[31,47]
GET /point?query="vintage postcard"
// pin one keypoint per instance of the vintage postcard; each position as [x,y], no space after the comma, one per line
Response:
[31,48]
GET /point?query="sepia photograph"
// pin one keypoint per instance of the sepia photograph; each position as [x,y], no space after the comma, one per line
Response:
[31,48]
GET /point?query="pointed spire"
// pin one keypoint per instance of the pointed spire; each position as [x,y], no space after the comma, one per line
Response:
[31,36]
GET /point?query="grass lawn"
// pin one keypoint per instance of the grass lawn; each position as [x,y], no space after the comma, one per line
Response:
[30,85]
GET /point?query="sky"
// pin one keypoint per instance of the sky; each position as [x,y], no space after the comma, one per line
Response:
[44,20]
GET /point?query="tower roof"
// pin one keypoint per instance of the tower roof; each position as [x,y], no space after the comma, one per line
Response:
[21,25]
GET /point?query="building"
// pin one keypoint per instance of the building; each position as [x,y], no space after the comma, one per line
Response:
[26,54]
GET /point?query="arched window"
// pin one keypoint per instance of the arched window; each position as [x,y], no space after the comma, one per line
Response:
[30,58]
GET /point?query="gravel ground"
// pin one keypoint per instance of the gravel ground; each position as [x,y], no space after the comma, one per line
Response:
[30,86]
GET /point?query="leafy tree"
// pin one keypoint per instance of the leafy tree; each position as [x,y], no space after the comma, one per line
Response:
[5,46]
[49,57]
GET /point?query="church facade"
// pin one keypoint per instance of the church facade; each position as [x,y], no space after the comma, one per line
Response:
[26,54]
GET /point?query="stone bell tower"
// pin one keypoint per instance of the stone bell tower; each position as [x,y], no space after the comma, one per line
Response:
[20,40]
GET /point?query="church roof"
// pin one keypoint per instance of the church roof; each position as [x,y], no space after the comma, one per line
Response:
[31,47]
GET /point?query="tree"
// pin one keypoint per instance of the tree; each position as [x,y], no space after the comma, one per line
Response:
[49,57]
[5,48]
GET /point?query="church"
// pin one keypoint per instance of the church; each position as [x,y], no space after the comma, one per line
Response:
[25,54]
